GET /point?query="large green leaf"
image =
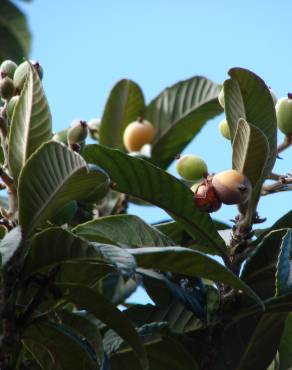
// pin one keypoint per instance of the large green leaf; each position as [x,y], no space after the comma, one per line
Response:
[250,151]
[85,328]
[67,349]
[189,262]
[31,123]
[283,274]
[143,180]
[42,356]
[9,244]
[53,176]
[178,114]
[56,245]
[260,268]
[242,342]
[168,354]
[125,103]
[285,349]
[14,34]
[122,230]
[248,97]
[95,303]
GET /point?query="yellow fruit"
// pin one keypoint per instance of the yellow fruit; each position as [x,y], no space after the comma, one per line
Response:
[232,187]
[137,134]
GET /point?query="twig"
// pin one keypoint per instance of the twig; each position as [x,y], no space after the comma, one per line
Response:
[284,184]
[11,191]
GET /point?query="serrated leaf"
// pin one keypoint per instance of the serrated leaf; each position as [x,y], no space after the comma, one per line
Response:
[284,273]
[178,114]
[104,310]
[14,33]
[143,180]
[122,230]
[285,348]
[62,343]
[56,245]
[242,342]
[53,176]
[250,151]
[189,262]
[9,244]
[85,328]
[168,354]
[247,96]
[260,268]
[125,103]
[31,123]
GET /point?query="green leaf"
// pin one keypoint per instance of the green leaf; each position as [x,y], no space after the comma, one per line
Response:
[247,96]
[122,230]
[284,273]
[285,349]
[93,302]
[45,252]
[260,268]
[143,180]
[65,347]
[178,114]
[9,244]
[168,354]
[250,151]
[53,176]
[14,33]
[189,262]
[84,328]
[125,103]
[44,359]
[117,289]
[31,123]
[242,342]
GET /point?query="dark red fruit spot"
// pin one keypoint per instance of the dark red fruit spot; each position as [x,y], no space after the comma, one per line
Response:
[205,197]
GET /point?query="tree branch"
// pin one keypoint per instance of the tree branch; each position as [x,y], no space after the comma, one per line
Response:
[286,143]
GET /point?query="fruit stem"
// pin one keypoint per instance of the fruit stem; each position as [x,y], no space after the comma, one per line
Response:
[286,143]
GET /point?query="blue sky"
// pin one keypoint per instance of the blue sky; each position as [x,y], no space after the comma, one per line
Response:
[85,47]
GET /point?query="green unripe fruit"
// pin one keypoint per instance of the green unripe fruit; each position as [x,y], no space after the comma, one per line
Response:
[78,132]
[224,129]
[284,114]
[7,68]
[22,71]
[7,88]
[221,98]
[61,136]
[11,105]
[94,126]
[191,167]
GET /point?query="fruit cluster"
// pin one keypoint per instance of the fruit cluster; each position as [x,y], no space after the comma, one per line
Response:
[283,108]
[228,187]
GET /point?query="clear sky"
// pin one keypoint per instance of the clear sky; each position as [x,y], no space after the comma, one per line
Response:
[86,46]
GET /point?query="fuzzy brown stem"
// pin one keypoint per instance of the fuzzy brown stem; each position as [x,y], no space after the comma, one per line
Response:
[284,184]
[286,143]
[11,191]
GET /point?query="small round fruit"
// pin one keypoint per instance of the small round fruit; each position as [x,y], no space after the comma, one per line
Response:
[61,136]
[232,187]
[192,168]
[205,197]
[137,134]
[7,68]
[224,129]
[284,114]
[21,73]
[77,132]
[11,105]
[94,127]
[7,88]
[221,98]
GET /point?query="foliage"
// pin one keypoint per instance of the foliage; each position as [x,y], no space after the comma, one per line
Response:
[71,255]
